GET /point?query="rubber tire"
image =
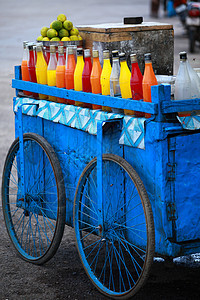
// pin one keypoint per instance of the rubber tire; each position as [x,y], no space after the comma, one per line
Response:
[149,223]
[61,207]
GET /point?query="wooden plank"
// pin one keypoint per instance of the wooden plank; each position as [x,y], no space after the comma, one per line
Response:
[114,102]
[180,106]
[120,27]
[105,37]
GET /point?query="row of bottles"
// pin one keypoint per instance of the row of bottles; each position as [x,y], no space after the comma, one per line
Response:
[83,75]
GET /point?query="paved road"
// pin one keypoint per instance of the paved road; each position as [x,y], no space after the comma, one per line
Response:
[62,278]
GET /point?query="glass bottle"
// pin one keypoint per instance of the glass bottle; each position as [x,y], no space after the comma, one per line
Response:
[78,86]
[69,72]
[51,70]
[136,82]
[24,67]
[114,79]
[124,81]
[86,84]
[60,72]
[105,77]
[31,67]
[41,69]
[95,77]
[149,79]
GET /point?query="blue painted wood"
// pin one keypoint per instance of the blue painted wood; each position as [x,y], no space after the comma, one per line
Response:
[18,75]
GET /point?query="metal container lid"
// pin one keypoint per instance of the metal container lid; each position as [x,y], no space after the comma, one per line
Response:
[115,53]
[133,57]
[52,49]
[60,50]
[70,50]
[122,56]
[106,54]
[25,44]
[38,48]
[183,55]
[79,51]
[87,52]
[147,56]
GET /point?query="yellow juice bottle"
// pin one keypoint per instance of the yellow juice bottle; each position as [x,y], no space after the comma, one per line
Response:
[105,77]
[51,70]
[124,81]
[78,74]
[41,70]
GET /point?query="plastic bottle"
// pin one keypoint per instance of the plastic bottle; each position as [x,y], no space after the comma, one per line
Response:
[86,84]
[60,72]
[41,69]
[149,79]
[95,77]
[51,70]
[105,77]
[124,81]
[78,86]
[31,67]
[24,67]
[69,72]
[195,81]
[136,82]
[114,80]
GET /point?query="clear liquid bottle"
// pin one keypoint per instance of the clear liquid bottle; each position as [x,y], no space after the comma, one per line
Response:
[24,67]
[51,70]
[78,86]
[124,81]
[105,77]
[136,82]
[149,79]
[60,72]
[41,69]
[195,81]
[69,72]
[86,84]
[31,67]
[114,79]
[95,77]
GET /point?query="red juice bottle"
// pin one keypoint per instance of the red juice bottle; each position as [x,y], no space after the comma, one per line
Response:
[24,67]
[69,72]
[136,83]
[95,77]
[86,84]
[31,67]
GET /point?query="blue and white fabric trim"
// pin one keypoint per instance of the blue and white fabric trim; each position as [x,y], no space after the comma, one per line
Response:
[83,118]
[191,122]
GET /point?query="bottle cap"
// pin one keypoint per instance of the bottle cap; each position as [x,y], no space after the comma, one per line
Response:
[80,51]
[147,56]
[122,56]
[106,54]
[87,52]
[183,55]
[95,53]
[38,48]
[70,50]
[52,49]
[60,50]
[115,53]
[30,46]
[133,57]
[25,44]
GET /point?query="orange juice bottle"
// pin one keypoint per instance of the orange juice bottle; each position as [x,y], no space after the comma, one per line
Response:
[41,69]
[24,67]
[60,72]
[78,86]
[51,70]
[105,77]
[124,81]
[149,79]
[95,77]
[69,72]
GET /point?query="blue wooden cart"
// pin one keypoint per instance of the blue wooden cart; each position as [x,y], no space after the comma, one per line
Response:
[129,186]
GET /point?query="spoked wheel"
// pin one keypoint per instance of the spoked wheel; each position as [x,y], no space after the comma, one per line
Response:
[35,221]
[117,254]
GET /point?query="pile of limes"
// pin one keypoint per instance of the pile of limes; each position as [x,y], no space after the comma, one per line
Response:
[60,30]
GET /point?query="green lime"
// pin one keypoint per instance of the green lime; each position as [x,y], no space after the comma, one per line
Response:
[79,37]
[46,39]
[68,25]
[57,25]
[63,32]
[74,31]
[74,38]
[51,33]
[61,17]
[40,38]
[65,39]
[55,39]
[51,25]
[43,31]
